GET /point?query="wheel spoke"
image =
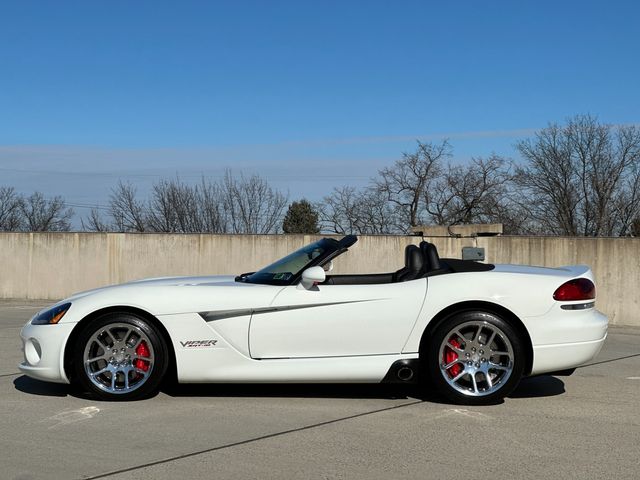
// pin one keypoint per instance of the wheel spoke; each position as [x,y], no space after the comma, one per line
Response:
[493,352]
[477,334]
[95,359]
[453,347]
[448,366]
[125,337]
[495,366]
[475,383]
[99,372]
[460,335]
[108,332]
[114,375]
[493,335]
[487,376]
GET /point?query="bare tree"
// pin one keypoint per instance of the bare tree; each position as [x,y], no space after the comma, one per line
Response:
[376,215]
[45,215]
[174,208]
[338,212]
[178,207]
[478,192]
[10,214]
[211,211]
[581,178]
[626,203]
[252,205]
[238,205]
[95,222]
[405,183]
[349,210]
[129,214]
[474,193]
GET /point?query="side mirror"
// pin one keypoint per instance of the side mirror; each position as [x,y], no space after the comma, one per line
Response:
[312,276]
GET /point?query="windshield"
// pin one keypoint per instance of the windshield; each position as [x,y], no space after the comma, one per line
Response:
[285,269]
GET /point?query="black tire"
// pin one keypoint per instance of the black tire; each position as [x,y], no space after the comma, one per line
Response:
[142,367]
[474,378]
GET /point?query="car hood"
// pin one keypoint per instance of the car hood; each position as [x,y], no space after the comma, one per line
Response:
[181,281]
[171,295]
[227,280]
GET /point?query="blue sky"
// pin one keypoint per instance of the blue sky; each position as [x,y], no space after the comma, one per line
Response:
[95,91]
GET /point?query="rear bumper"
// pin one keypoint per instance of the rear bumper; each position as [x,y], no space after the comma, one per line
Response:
[581,335]
[562,356]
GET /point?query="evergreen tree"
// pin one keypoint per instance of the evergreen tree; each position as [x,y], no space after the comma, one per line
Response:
[301,218]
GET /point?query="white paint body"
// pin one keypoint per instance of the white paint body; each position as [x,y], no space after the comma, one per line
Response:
[344,333]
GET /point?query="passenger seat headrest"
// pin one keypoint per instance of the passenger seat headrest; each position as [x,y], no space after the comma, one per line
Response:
[431,257]
[413,258]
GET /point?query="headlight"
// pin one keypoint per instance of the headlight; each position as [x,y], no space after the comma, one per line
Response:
[51,316]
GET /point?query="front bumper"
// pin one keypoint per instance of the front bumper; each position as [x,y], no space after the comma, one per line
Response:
[43,347]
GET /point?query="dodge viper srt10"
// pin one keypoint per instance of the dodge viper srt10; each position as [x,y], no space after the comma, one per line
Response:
[469,330]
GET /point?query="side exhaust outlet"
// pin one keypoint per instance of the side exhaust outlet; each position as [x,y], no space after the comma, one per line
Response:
[403,371]
[405,374]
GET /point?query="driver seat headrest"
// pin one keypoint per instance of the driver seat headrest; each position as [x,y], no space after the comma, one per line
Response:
[413,259]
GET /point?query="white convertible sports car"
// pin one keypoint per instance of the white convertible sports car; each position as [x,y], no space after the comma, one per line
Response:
[469,330]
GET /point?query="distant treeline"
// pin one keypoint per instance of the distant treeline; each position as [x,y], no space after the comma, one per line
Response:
[581,178]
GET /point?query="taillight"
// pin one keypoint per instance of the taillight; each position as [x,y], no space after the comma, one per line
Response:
[576,289]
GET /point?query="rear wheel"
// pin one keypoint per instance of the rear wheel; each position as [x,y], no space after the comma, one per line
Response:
[475,358]
[120,356]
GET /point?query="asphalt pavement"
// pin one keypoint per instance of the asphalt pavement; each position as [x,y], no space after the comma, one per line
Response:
[584,426]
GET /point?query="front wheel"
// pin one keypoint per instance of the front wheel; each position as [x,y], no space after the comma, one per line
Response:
[475,358]
[120,356]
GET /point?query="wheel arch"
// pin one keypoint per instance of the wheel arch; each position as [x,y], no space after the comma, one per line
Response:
[489,307]
[68,350]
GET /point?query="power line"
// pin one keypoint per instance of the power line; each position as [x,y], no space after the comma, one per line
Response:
[91,207]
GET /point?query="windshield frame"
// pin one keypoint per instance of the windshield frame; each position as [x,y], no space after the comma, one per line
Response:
[331,249]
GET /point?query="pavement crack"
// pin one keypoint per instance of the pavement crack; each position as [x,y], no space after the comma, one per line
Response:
[250,440]
[9,374]
[609,361]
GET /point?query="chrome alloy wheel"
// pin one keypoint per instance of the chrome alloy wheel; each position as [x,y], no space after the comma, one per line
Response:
[476,358]
[118,358]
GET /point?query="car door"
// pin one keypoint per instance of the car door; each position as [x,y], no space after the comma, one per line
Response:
[337,320]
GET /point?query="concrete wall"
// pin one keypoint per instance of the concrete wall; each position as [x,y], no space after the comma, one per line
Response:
[54,265]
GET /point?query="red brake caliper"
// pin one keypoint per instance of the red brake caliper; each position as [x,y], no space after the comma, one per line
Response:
[450,355]
[142,350]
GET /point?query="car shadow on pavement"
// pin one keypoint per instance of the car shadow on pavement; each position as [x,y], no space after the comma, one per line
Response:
[541,386]
[325,390]
[37,387]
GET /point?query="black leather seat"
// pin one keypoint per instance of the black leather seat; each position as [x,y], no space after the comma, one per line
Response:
[431,257]
[434,265]
[413,265]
